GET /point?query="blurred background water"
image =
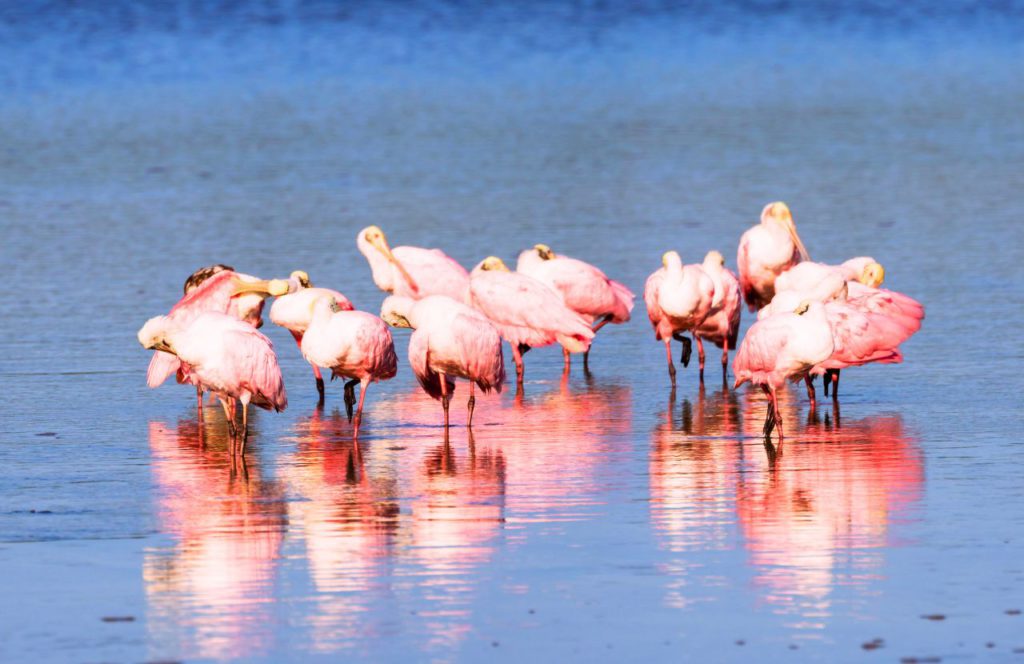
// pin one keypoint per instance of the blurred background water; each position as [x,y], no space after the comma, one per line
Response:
[595,519]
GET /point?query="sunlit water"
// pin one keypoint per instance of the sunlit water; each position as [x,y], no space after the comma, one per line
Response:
[597,519]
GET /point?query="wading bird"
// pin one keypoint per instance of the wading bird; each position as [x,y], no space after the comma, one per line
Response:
[354,345]
[783,346]
[722,324]
[766,251]
[678,299]
[451,340]
[525,312]
[294,312]
[584,288]
[226,292]
[225,356]
[411,271]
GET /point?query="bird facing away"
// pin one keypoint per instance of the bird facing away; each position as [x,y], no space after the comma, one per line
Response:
[678,298]
[294,312]
[766,251]
[226,292]
[783,346]
[411,271]
[722,325]
[354,345]
[526,313]
[584,288]
[225,356]
[450,340]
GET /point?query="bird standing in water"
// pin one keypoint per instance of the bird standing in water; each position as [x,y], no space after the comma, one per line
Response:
[783,346]
[678,298]
[450,340]
[525,312]
[584,288]
[766,251]
[225,356]
[722,324]
[294,312]
[411,271]
[354,345]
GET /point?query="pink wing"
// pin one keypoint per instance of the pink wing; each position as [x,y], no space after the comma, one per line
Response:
[905,311]
[514,299]
[860,338]
[480,348]
[419,360]
[587,290]
[651,288]
[435,273]
[760,351]
[253,356]
[746,285]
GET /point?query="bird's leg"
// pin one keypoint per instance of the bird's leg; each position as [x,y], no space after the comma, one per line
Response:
[601,323]
[229,414]
[826,380]
[725,363]
[769,416]
[568,360]
[199,403]
[319,385]
[444,401]
[700,357]
[586,362]
[671,366]
[777,415]
[684,359]
[471,403]
[245,425]
[517,355]
[835,385]
[363,384]
[350,396]
[809,381]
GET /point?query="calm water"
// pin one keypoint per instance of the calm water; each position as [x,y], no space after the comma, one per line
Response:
[596,519]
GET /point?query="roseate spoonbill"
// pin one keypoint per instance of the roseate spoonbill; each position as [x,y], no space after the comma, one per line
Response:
[294,311]
[584,288]
[225,356]
[678,299]
[784,346]
[766,251]
[525,312]
[722,325]
[353,345]
[450,340]
[225,291]
[411,271]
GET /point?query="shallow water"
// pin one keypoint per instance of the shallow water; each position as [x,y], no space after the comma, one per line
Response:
[596,518]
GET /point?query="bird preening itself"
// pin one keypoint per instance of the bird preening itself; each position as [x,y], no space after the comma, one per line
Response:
[411,271]
[766,251]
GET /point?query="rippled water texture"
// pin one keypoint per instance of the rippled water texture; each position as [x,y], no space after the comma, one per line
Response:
[599,519]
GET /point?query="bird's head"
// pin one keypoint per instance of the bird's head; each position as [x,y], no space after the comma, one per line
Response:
[671,258]
[544,251]
[802,308]
[872,275]
[493,264]
[153,335]
[395,310]
[778,214]
[301,278]
[202,274]
[375,237]
[714,258]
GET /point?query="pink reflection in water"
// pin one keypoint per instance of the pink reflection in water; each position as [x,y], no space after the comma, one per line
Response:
[211,595]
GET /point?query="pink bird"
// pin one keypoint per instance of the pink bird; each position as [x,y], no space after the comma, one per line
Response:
[679,299]
[584,288]
[450,340]
[411,271]
[766,251]
[294,312]
[224,291]
[353,345]
[868,323]
[722,325]
[525,312]
[784,346]
[225,356]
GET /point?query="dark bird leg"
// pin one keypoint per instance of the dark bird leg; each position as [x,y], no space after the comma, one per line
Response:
[444,402]
[769,416]
[319,385]
[350,397]
[684,359]
[725,364]
[199,402]
[835,384]
[671,365]
[245,425]
[809,380]
[517,355]
[826,380]
[471,403]
[568,360]
[700,357]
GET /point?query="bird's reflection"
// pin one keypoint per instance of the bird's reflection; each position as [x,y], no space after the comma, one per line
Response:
[348,521]
[817,516]
[209,595]
[822,513]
